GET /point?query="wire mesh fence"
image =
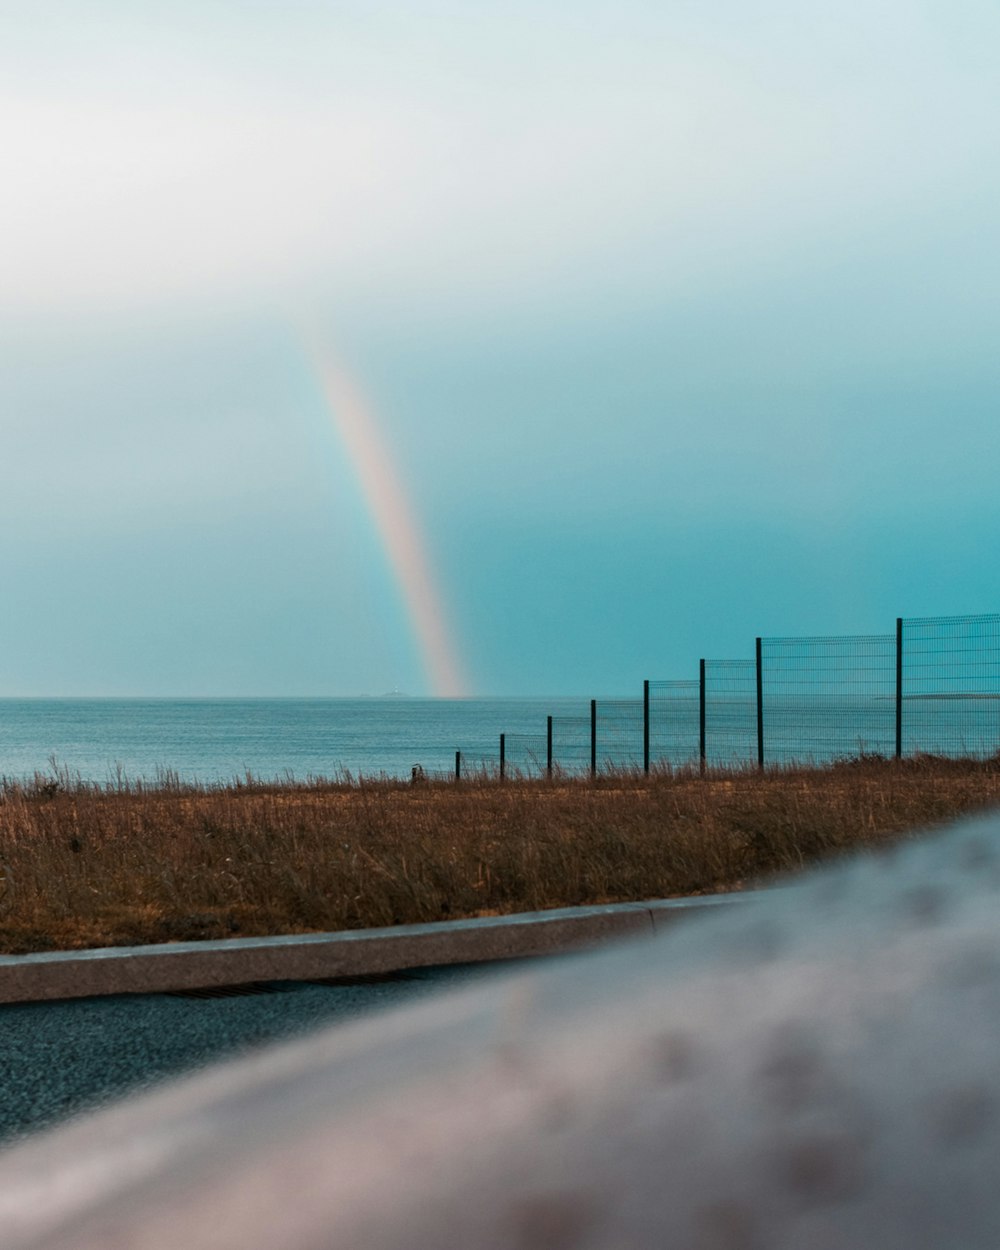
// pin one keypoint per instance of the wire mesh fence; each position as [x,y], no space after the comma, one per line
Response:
[950,685]
[933,687]
[471,766]
[525,755]
[619,734]
[571,744]
[828,698]
[730,691]
[674,722]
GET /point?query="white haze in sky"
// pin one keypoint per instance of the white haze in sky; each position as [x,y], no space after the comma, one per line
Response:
[679,320]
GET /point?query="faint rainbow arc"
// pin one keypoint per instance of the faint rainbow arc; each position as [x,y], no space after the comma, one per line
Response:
[400,534]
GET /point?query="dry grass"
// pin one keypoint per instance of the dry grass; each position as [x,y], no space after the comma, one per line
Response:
[89,866]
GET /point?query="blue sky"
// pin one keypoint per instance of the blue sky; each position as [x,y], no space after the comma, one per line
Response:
[679,319]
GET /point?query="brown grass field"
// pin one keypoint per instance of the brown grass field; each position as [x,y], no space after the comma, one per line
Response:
[83,865]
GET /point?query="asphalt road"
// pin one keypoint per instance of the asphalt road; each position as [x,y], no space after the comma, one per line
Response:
[58,1059]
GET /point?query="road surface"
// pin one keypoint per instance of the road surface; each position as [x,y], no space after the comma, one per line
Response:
[57,1059]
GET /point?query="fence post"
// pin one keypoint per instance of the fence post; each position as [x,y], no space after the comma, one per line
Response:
[760,709]
[899,687]
[458,765]
[503,754]
[593,737]
[645,727]
[548,746]
[701,717]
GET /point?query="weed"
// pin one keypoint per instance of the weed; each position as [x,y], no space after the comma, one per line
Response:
[139,862]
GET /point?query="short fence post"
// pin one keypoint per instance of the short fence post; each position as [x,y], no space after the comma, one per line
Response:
[899,687]
[645,727]
[458,765]
[503,754]
[701,718]
[593,737]
[548,745]
[760,709]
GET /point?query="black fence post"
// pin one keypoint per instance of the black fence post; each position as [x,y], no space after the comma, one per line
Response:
[593,737]
[458,765]
[899,687]
[702,753]
[503,754]
[645,727]
[760,709]
[548,745]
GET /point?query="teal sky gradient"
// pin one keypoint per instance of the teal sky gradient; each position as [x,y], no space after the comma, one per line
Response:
[680,321]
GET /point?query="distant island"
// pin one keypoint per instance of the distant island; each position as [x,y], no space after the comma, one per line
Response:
[955,694]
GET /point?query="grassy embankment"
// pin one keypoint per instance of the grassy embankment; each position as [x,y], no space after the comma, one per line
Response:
[92,866]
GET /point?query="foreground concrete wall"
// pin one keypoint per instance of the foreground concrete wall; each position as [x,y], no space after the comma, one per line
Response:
[820,1068]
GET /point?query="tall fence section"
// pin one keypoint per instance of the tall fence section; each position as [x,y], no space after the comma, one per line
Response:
[932,686]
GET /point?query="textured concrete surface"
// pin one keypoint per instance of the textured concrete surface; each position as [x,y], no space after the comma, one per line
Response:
[303,957]
[819,1067]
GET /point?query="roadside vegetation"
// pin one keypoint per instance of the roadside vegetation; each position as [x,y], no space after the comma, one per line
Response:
[84,865]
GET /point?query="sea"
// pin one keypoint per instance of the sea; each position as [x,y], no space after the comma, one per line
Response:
[215,741]
[110,742]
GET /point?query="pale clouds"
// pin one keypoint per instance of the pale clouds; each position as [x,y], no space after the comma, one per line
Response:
[458,154]
[680,320]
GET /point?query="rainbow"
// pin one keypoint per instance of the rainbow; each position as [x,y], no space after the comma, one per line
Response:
[354,419]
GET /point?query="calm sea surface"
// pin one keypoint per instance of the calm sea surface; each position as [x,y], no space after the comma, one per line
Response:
[219,740]
[213,740]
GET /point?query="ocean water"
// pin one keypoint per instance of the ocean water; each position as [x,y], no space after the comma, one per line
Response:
[220,740]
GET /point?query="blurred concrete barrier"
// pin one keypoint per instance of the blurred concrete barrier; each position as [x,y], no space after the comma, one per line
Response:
[818,1068]
[153,969]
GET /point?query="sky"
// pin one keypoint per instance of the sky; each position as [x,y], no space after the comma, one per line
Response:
[488,349]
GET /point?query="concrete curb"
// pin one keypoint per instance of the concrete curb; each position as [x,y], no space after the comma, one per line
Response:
[360,952]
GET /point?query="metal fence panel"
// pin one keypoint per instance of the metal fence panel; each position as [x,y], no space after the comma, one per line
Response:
[571,744]
[472,766]
[674,719]
[951,685]
[828,698]
[619,734]
[730,713]
[526,755]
